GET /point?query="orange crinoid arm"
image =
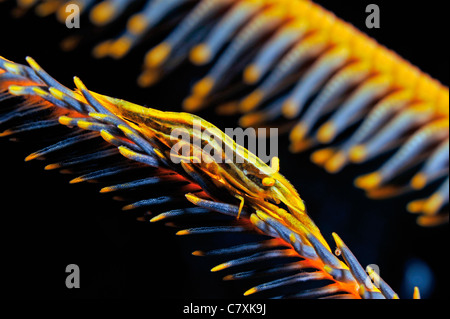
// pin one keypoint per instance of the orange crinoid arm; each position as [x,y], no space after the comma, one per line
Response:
[128,137]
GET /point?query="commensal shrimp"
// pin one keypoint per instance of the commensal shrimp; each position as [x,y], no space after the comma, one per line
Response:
[253,194]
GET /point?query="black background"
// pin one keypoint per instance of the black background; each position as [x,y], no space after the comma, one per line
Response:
[48,224]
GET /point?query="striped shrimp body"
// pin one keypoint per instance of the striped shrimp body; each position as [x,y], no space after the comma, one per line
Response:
[248,179]
[141,136]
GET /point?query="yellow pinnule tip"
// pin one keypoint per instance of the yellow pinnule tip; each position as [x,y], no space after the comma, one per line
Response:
[65,120]
[192,103]
[250,291]
[251,101]
[85,125]
[26,3]
[128,207]
[336,162]
[319,157]
[419,181]
[120,47]
[263,216]
[326,132]
[250,119]
[182,232]
[102,49]
[148,78]
[56,93]
[229,108]
[203,87]
[16,89]
[50,167]
[432,204]
[219,267]
[102,13]
[251,74]
[106,135]
[125,151]
[78,83]
[357,154]
[228,277]
[98,116]
[301,206]
[137,24]
[290,109]
[200,54]
[337,239]
[157,55]
[11,67]
[298,133]
[126,130]
[141,219]
[416,294]
[301,146]
[76,180]
[368,181]
[5,133]
[106,189]
[193,199]
[415,206]
[198,253]
[157,218]
[46,8]
[31,157]
[432,220]
[32,62]
[69,43]
[39,91]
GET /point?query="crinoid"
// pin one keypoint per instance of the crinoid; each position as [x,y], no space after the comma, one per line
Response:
[223,55]
[108,138]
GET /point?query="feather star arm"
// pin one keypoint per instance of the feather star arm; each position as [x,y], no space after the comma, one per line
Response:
[140,135]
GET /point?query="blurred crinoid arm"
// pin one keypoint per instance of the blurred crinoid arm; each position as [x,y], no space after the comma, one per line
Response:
[292,62]
[101,137]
